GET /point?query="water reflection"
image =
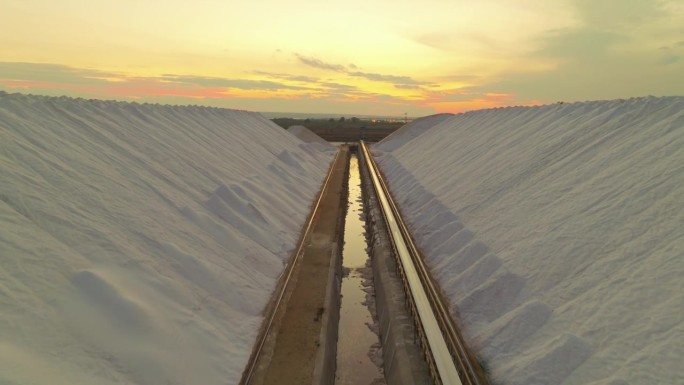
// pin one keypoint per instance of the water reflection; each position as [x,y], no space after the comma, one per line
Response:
[356,342]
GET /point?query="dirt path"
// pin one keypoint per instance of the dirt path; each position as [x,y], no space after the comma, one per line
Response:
[296,341]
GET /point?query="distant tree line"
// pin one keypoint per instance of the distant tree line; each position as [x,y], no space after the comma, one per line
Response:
[339,124]
[343,129]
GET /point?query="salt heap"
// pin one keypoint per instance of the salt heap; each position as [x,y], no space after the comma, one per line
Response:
[309,136]
[557,232]
[140,243]
[409,131]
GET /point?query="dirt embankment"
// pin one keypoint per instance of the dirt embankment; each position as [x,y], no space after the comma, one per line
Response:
[290,355]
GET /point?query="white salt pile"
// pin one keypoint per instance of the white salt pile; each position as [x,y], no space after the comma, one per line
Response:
[558,234]
[140,243]
[309,136]
[410,131]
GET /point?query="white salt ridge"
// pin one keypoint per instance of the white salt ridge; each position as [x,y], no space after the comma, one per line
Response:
[410,131]
[310,137]
[557,233]
[140,243]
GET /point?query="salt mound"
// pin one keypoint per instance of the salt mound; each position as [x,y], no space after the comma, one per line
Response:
[409,131]
[309,136]
[140,243]
[557,234]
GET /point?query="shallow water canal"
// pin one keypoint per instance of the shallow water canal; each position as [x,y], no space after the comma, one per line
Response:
[356,342]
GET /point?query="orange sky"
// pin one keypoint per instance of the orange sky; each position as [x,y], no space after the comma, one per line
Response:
[351,57]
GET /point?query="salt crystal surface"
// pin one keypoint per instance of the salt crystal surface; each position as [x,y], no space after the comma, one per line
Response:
[140,243]
[409,131]
[310,137]
[557,232]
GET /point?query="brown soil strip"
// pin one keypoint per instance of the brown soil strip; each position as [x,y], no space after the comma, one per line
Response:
[296,340]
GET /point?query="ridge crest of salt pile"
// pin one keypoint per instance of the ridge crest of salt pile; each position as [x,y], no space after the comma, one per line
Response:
[556,233]
[310,137]
[140,243]
[410,131]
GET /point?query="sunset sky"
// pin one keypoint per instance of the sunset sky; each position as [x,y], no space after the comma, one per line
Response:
[345,57]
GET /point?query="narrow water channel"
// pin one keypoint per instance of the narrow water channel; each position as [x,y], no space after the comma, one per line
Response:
[356,342]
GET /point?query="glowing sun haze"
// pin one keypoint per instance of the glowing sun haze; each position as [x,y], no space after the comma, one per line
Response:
[344,57]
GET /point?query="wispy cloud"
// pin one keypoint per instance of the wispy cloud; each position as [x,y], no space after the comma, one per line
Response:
[53,73]
[458,78]
[281,76]
[402,80]
[95,83]
[88,79]
[580,44]
[618,14]
[408,86]
[668,56]
[243,84]
[338,86]
[317,63]
[352,70]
